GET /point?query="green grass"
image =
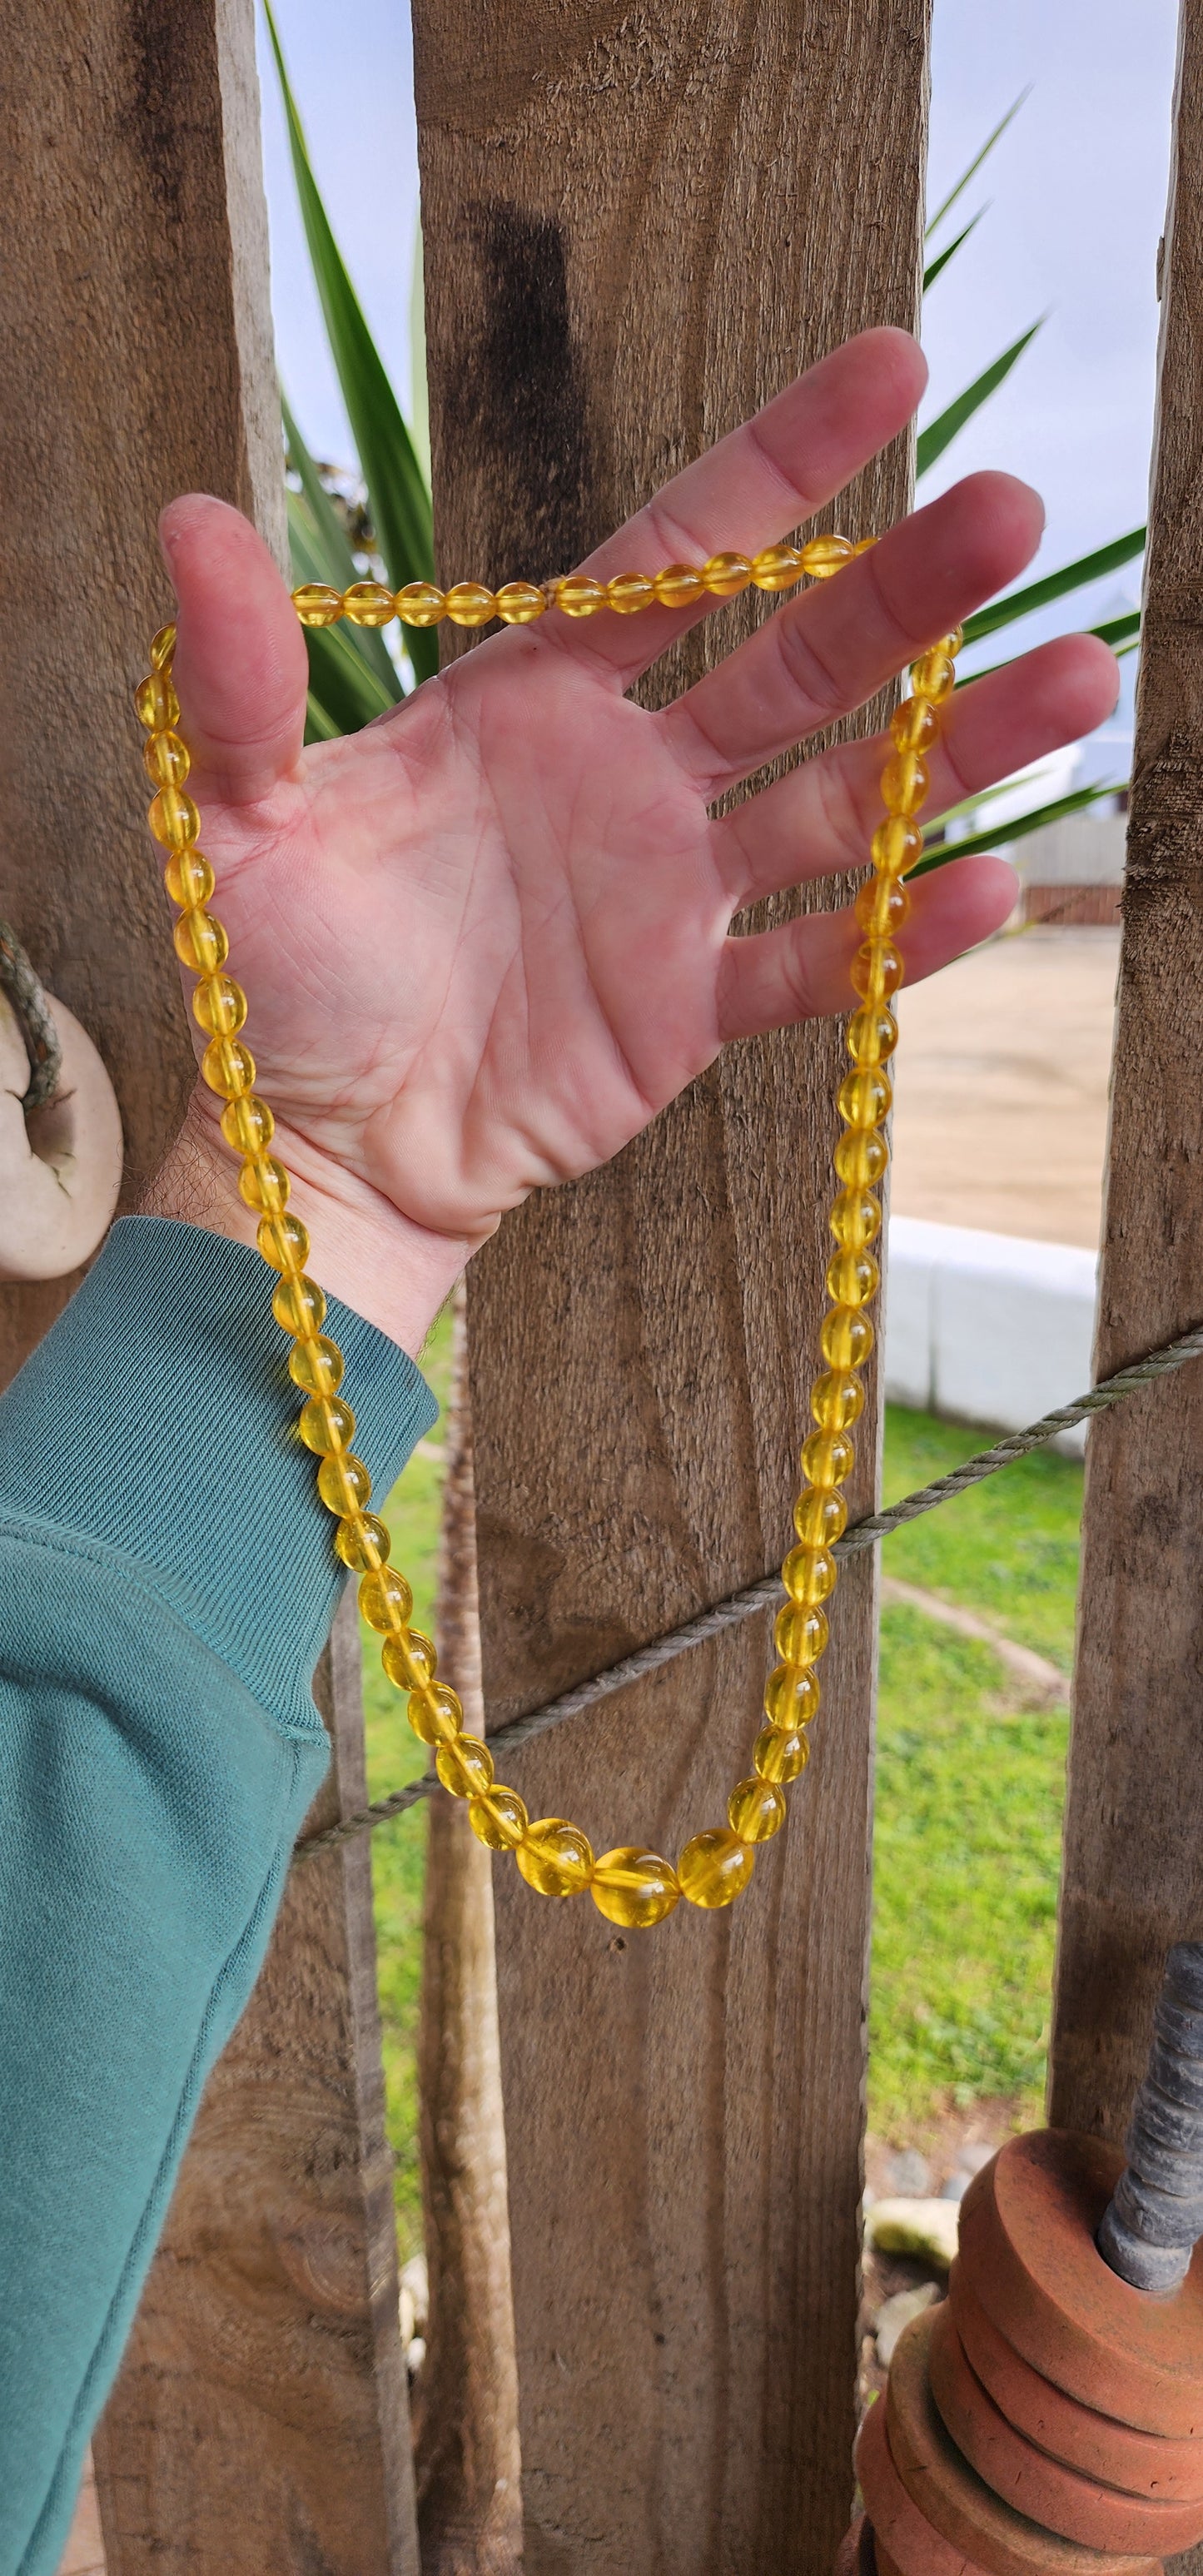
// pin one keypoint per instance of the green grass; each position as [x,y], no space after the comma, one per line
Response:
[1008,1548]
[399,1852]
[967,1839]
[969,1790]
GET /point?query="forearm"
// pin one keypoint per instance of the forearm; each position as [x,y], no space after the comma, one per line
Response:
[166,1582]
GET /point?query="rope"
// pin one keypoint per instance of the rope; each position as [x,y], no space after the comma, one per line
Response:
[32,1009]
[767,1593]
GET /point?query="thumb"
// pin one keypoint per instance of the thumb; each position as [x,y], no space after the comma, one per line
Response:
[241,670]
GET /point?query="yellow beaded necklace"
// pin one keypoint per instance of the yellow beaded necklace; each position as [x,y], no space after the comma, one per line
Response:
[631,1886]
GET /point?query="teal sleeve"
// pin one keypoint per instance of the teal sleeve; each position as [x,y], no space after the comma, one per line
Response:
[166,1585]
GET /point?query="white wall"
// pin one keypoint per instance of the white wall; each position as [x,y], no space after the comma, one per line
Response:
[987,1328]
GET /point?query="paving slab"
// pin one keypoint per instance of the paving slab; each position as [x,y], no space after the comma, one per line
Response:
[1002,1080]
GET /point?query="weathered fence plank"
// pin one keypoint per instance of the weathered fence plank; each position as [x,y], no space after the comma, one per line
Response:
[1133,1854]
[637,224]
[135,362]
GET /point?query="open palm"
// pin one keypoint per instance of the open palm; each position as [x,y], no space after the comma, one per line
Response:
[487,939]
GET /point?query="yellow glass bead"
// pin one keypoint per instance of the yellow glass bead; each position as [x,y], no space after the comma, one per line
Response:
[934,676]
[820,1518]
[228,1067]
[283,1242]
[780,1755]
[317,1366]
[904,783]
[156,702]
[776,568]
[498,1819]
[174,819]
[162,647]
[800,1632]
[263,1183]
[872,1033]
[464,1765]
[821,556]
[725,574]
[827,1458]
[877,970]
[299,1307]
[410,1660]
[520,602]
[845,1339]
[385,1599]
[861,1156]
[715,1867]
[317,604]
[554,1857]
[863,545]
[852,1278]
[952,642]
[165,759]
[421,604]
[756,1808]
[629,592]
[470,604]
[343,1480]
[855,1219]
[864,1097]
[361,1541]
[837,1400]
[368,603]
[579,595]
[680,586]
[247,1125]
[634,1887]
[200,942]
[915,724]
[895,846]
[809,1574]
[327,1424]
[435,1714]
[219,1004]
[881,907]
[791,1697]
[188,878]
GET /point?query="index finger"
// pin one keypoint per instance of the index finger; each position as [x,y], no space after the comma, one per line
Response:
[767,476]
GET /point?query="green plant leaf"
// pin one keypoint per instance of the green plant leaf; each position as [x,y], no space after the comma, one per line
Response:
[932,271]
[319,727]
[347,691]
[1055,585]
[975,165]
[321,552]
[400,502]
[1015,830]
[940,433]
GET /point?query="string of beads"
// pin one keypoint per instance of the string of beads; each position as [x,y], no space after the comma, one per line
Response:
[632,1886]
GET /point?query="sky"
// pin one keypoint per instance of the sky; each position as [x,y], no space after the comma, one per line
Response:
[1075,199]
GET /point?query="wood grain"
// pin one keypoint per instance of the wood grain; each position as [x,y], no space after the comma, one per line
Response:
[1133,1866]
[1133,1854]
[638,223]
[260,2419]
[466,2410]
[261,2410]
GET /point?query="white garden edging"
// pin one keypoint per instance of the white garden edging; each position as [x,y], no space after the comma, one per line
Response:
[987,1328]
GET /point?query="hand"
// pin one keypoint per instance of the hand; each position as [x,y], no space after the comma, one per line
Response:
[486,940]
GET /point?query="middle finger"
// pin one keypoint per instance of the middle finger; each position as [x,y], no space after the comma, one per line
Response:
[839,643]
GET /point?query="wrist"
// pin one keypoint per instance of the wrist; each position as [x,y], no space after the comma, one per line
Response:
[394,1273]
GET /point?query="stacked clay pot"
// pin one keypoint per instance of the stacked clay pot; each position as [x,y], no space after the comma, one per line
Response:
[1047,2419]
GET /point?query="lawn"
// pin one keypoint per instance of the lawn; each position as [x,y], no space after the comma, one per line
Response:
[969,1789]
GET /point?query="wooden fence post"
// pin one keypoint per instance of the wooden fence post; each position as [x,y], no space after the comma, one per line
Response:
[259,2421]
[637,224]
[1133,1858]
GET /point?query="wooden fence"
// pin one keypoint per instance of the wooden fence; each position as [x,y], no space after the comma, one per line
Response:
[638,222]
